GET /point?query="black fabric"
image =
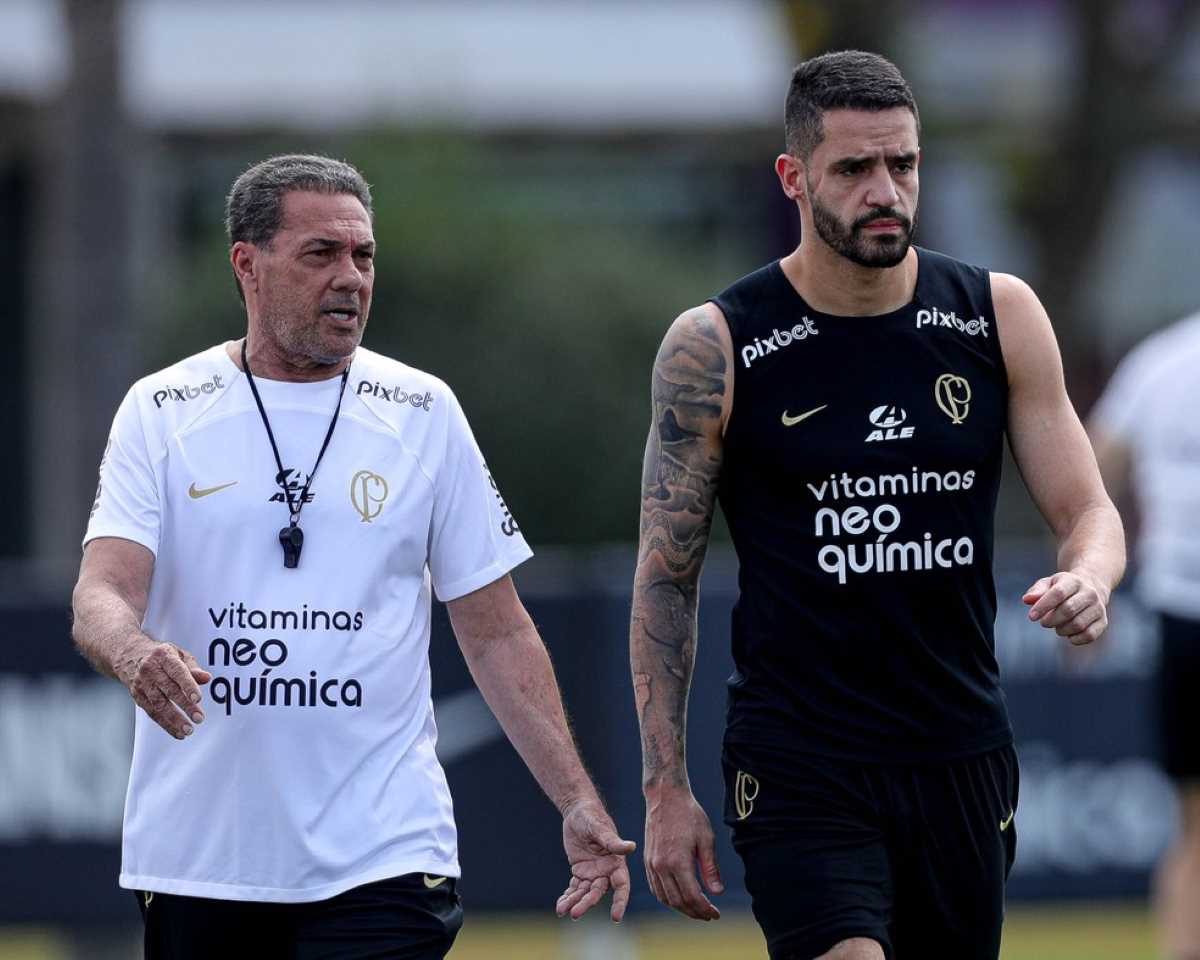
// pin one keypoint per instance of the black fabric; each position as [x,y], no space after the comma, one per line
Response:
[913,856]
[1178,705]
[397,919]
[859,481]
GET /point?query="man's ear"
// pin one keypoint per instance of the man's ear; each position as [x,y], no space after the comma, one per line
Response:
[243,257]
[792,176]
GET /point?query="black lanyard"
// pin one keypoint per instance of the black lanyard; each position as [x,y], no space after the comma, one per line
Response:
[291,537]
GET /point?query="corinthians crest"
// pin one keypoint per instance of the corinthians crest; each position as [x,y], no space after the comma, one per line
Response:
[368,490]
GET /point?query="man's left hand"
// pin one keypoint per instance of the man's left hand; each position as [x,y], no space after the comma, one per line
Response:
[597,855]
[1074,604]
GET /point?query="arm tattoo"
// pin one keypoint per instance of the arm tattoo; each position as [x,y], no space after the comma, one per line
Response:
[679,487]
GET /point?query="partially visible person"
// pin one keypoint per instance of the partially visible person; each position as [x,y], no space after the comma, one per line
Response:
[1146,432]
[273,517]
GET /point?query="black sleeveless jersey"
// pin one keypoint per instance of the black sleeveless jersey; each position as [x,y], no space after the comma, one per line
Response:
[861,467]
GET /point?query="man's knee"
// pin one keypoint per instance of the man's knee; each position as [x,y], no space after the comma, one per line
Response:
[856,948]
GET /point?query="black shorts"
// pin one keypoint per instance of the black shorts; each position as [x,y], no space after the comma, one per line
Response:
[412,917]
[913,856]
[1178,705]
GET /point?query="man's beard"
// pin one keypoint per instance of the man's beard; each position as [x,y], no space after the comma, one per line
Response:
[303,344]
[883,250]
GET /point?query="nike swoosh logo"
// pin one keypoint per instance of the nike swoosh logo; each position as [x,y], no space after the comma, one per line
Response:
[792,421]
[432,882]
[1004,823]
[196,494]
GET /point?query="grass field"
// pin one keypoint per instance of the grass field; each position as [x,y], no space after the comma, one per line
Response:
[1098,932]
[1108,932]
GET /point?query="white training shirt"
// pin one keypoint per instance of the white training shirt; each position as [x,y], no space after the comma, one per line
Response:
[1152,406]
[314,770]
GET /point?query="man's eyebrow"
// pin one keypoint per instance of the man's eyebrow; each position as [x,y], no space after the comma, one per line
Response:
[326,243]
[844,163]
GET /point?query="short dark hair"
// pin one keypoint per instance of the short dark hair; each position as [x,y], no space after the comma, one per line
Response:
[254,207]
[847,79]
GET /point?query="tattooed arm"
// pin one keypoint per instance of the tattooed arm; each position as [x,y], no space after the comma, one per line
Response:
[692,395]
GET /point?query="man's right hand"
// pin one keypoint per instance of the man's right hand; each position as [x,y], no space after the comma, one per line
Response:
[679,838]
[164,681]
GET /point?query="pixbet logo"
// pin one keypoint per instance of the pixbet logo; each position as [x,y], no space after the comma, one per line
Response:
[395,394]
[184,394]
[887,420]
[777,341]
[935,318]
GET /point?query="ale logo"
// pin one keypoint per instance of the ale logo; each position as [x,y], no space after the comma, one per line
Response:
[745,792]
[953,395]
[368,490]
[888,421]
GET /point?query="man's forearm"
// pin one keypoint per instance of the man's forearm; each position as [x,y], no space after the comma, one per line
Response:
[517,680]
[1095,543]
[104,625]
[662,652]
[680,471]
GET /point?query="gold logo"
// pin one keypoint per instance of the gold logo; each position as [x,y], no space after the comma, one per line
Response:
[1004,823]
[745,792]
[367,492]
[792,421]
[953,395]
[147,896]
[195,493]
[432,883]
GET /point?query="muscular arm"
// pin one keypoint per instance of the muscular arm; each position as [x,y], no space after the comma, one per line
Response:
[509,664]
[691,396]
[1058,465]
[109,603]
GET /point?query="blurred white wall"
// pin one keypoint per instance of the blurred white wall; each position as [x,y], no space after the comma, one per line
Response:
[483,64]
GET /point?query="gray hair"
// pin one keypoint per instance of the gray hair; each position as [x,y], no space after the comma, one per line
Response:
[254,207]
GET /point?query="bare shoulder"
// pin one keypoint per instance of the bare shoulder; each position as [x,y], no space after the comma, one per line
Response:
[1015,302]
[694,367]
[1026,335]
[702,329]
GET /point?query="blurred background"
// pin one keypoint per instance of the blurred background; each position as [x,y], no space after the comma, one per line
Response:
[555,180]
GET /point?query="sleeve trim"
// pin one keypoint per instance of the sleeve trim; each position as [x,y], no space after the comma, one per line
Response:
[481,578]
[123,533]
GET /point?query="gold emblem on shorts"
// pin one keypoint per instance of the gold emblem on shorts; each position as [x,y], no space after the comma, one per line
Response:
[147,896]
[953,395]
[745,792]
[1004,823]
[432,883]
[368,490]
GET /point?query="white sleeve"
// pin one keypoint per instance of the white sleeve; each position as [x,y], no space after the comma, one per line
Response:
[474,540]
[1123,403]
[127,501]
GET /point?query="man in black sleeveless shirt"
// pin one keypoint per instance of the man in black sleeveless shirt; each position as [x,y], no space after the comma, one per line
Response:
[871,784]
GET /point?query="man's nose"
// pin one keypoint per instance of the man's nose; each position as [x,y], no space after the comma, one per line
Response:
[348,276]
[882,191]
